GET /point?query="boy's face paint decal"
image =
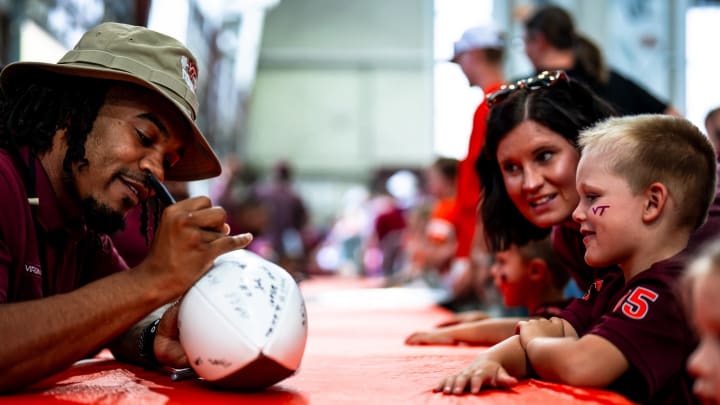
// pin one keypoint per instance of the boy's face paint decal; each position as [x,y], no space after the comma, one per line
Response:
[599,209]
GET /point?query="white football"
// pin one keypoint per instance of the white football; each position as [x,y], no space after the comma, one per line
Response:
[243,325]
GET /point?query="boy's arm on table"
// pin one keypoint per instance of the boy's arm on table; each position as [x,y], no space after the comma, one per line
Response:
[462,317]
[498,366]
[588,361]
[485,332]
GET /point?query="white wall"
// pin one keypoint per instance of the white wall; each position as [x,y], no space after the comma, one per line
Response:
[643,40]
[343,87]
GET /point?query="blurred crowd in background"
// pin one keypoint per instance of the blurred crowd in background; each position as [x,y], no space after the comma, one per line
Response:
[398,230]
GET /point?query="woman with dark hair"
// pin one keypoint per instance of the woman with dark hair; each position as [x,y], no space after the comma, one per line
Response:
[532,131]
[527,167]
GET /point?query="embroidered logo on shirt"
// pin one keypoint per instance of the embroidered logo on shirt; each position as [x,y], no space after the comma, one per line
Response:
[595,286]
[33,270]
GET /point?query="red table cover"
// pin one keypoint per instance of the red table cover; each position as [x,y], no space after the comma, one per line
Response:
[354,355]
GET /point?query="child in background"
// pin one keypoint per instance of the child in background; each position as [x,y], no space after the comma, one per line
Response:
[703,282]
[440,233]
[531,276]
[645,183]
[528,276]
[430,239]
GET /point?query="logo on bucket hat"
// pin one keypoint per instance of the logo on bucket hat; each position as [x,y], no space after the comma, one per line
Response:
[141,56]
[189,72]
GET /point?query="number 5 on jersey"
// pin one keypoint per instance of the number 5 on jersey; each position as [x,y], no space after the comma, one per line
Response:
[636,303]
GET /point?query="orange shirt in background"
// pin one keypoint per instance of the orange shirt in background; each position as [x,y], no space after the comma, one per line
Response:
[468,183]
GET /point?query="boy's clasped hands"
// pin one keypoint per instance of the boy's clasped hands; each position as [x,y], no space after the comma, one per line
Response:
[540,328]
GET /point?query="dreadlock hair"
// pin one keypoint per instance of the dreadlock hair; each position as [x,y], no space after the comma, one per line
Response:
[152,204]
[31,116]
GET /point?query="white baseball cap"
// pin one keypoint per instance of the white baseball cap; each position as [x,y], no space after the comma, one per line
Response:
[479,37]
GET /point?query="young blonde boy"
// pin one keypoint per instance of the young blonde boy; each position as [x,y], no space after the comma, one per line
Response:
[528,276]
[703,282]
[645,183]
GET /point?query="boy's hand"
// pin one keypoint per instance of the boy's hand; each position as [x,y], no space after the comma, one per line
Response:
[541,327]
[481,373]
[429,338]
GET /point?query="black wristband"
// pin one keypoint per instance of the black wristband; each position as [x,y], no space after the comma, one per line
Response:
[146,342]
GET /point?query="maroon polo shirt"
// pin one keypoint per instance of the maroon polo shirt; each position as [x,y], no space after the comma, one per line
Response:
[72,258]
[644,319]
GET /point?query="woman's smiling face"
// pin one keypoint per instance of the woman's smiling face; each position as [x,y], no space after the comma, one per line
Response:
[538,168]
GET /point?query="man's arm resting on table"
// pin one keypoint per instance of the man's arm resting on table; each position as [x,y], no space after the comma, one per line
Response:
[153,341]
[136,345]
[588,361]
[44,336]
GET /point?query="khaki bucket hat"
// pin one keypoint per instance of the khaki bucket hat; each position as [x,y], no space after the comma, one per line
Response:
[134,54]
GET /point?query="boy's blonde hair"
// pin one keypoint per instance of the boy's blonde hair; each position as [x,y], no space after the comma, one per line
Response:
[542,249]
[707,262]
[659,148]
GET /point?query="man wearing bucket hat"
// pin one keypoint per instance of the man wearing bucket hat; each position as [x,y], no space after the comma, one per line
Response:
[78,142]
[479,53]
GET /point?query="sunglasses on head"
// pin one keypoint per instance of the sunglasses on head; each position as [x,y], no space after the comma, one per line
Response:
[542,80]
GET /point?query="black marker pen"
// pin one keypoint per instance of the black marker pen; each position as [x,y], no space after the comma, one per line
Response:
[182,374]
[162,192]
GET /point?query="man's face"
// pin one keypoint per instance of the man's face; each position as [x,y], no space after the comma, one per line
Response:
[437,184]
[470,63]
[135,131]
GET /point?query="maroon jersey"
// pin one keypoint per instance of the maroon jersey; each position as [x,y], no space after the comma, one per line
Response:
[567,243]
[72,258]
[550,309]
[644,319]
